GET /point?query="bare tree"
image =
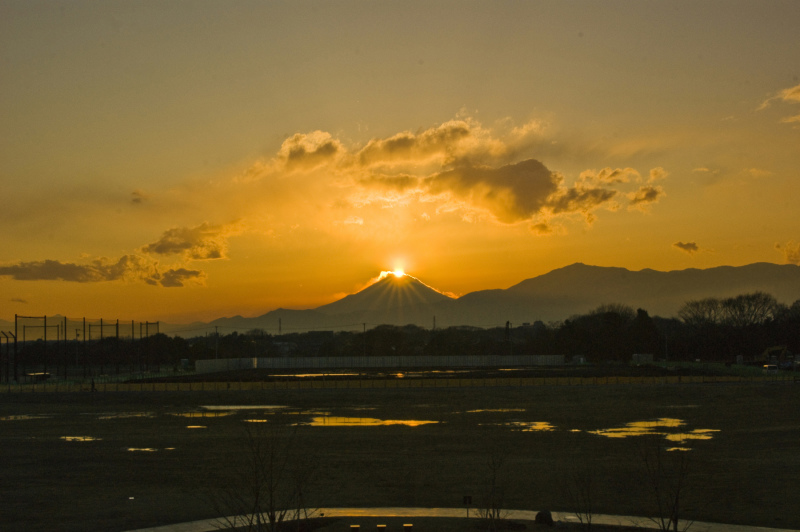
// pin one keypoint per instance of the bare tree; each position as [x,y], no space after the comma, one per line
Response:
[749,309]
[491,505]
[580,489]
[265,484]
[701,312]
[666,477]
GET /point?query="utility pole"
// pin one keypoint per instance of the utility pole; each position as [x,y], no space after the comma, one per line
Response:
[216,341]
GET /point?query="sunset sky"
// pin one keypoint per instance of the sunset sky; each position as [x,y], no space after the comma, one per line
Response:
[183,160]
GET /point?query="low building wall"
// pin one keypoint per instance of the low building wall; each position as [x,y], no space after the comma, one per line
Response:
[389,362]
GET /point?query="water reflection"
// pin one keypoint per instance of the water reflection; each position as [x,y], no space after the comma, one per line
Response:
[698,434]
[336,421]
[203,414]
[80,438]
[643,428]
[126,415]
[142,449]
[255,421]
[22,417]
[196,427]
[495,410]
[639,428]
[532,426]
[242,407]
[525,426]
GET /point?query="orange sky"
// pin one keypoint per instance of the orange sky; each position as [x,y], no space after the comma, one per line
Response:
[182,161]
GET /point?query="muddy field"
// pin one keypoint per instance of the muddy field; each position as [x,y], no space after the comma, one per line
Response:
[121,461]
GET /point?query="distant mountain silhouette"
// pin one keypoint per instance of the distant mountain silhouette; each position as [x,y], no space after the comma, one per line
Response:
[557,295]
[393,299]
[578,288]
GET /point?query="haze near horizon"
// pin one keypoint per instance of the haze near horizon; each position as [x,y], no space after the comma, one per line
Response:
[180,162]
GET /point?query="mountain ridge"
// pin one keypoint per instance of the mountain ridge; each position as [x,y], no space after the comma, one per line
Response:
[574,289]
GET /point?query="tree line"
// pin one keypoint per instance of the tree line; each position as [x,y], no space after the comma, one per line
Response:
[751,326]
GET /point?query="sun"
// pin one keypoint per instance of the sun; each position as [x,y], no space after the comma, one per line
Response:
[398,272]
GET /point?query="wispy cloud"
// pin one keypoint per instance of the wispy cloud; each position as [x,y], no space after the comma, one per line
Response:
[790,95]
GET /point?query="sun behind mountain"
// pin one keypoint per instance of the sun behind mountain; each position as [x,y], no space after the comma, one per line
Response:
[393,290]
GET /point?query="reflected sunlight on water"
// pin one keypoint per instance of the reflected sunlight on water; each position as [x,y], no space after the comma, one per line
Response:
[336,421]
[243,407]
[643,428]
[495,410]
[125,415]
[203,414]
[80,438]
[639,428]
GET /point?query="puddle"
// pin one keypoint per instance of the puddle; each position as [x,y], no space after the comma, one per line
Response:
[495,410]
[639,428]
[142,449]
[316,375]
[204,414]
[22,417]
[531,426]
[642,428]
[196,427]
[699,434]
[126,415]
[80,438]
[524,426]
[335,421]
[230,408]
[255,421]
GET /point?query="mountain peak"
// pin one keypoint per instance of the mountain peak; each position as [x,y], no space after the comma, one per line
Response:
[394,291]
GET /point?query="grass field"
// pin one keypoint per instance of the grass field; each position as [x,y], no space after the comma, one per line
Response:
[137,460]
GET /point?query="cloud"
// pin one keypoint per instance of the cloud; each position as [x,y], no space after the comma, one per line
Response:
[175,278]
[463,142]
[18,300]
[790,95]
[305,151]
[645,196]
[579,199]
[511,193]
[128,266]
[687,247]
[657,174]
[608,176]
[791,251]
[353,220]
[203,242]
[138,197]
[459,168]
[757,173]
